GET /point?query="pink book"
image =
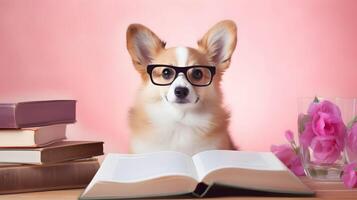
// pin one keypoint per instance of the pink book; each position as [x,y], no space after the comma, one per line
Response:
[37,113]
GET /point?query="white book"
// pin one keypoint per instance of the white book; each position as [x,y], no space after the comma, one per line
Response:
[172,173]
[32,137]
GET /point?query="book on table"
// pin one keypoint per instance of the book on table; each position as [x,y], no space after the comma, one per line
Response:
[37,113]
[16,178]
[32,137]
[208,173]
[54,153]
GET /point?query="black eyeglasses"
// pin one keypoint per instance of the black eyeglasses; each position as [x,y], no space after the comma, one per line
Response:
[197,75]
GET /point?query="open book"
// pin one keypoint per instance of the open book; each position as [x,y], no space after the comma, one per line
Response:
[172,173]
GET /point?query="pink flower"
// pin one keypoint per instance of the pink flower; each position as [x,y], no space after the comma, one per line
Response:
[325,107]
[288,156]
[352,139]
[326,118]
[324,132]
[289,135]
[326,149]
[349,176]
[326,124]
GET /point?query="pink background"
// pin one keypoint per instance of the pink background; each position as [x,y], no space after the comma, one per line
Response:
[76,50]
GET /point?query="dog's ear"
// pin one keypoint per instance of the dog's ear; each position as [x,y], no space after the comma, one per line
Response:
[219,43]
[142,45]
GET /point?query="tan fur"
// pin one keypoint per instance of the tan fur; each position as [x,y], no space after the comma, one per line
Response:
[154,51]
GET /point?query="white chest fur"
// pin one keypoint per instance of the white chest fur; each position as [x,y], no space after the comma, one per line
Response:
[176,129]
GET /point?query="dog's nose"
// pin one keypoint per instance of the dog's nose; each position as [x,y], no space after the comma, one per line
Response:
[181,92]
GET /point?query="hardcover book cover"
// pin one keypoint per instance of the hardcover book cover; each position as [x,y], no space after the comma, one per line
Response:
[37,113]
[28,178]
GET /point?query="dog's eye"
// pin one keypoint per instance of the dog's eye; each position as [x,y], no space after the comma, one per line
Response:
[197,74]
[167,73]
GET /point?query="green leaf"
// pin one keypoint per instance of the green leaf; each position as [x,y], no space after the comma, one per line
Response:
[317,172]
[353,121]
[302,120]
[316,100]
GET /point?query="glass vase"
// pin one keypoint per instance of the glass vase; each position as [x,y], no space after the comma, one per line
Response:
[351,133]
[322,136]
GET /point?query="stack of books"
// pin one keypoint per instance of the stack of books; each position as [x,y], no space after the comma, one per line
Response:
[34,152]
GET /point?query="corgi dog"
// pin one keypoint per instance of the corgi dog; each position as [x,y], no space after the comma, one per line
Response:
[179,104]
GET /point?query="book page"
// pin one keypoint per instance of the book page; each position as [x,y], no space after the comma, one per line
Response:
[140,167]
[209,161]
[252,170]
[140,175]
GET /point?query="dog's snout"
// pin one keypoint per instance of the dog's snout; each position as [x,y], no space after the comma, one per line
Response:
[181,92]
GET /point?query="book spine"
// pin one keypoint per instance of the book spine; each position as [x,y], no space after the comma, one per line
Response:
[29,178]
[45,113]
[7,116]
[54,155]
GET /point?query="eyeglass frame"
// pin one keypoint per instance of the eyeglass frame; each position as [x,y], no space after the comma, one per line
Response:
[178,70]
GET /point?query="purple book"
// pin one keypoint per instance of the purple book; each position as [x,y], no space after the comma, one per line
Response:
[37,113]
